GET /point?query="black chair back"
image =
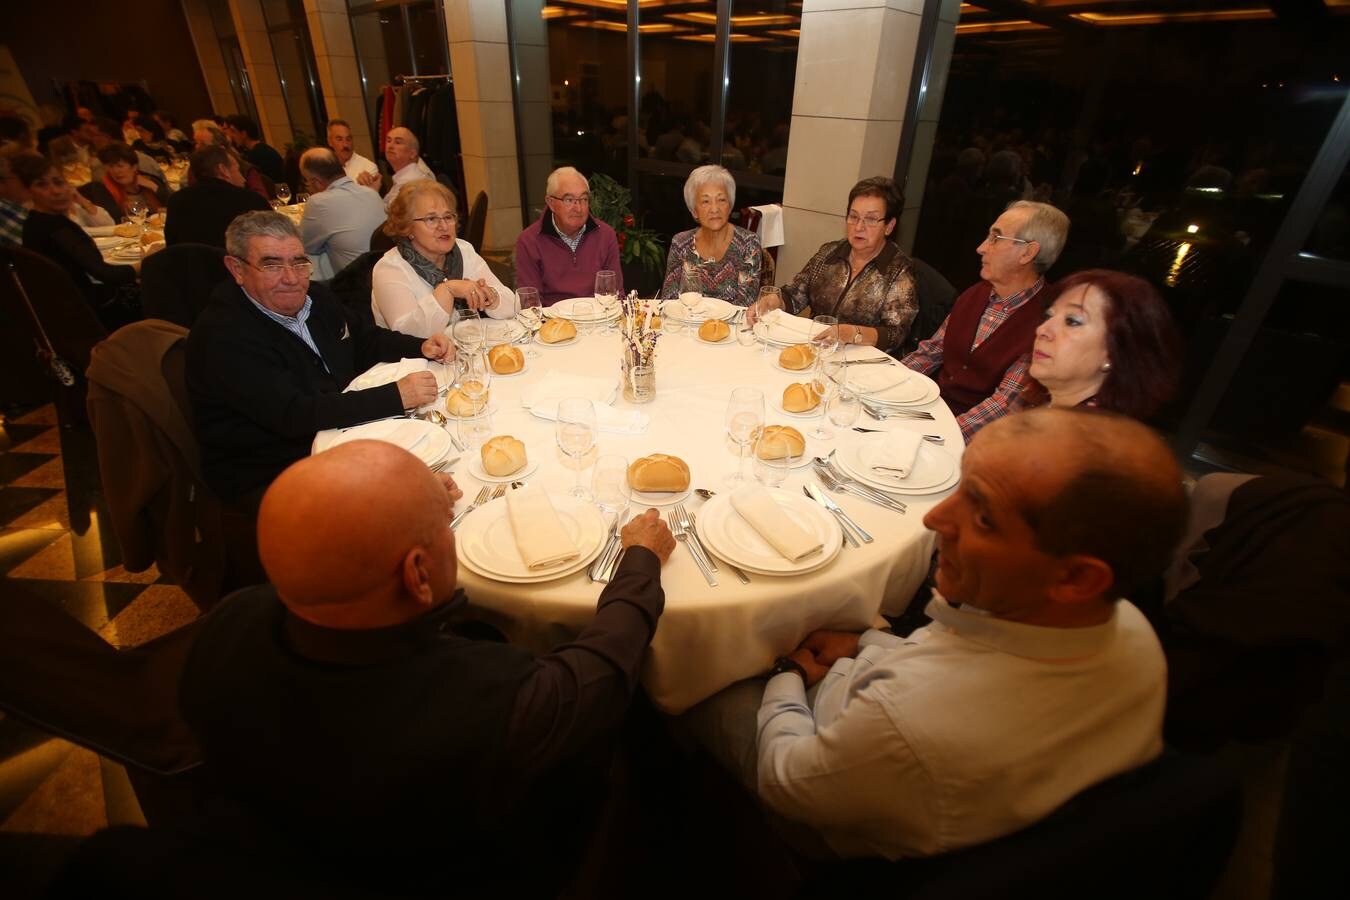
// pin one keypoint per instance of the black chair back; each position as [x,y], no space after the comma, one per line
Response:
[477,222]
[380,242]
[936,296]
[352,286]
[176,282]
[1163,830]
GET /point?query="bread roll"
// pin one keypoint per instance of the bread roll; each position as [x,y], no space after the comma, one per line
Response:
[126,230]
[800,397]
[503,455]
[778,441]
[557,330]
[714,330]
[150,237]
[505,359]
[658,474]
[798,356]
[462,405]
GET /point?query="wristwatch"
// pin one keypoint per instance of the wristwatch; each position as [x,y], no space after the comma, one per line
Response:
[787,664]
[857,335]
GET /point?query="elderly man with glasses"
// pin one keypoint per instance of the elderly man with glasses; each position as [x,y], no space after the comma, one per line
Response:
[560,254]
[981,353]
[268,358]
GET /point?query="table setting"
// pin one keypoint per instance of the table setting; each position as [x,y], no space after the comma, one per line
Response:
[781,529]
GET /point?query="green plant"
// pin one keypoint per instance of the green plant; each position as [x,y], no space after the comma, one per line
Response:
[611,203]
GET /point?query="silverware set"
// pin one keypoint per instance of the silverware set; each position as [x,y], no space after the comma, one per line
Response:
[485,495]
[684,533]
[607,562]
[839,483]
[931,438]
[882,413]
[846,523]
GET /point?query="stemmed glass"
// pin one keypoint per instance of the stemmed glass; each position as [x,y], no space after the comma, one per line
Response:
[528,298]
[745,333]
[774,456]
[825,338]
[844,406]
[823,380]
[576,435]
[467,330]
[769,295]
[473,379]
[607,298]
[745,414]
[137,211]
[609,484]
[283,192]
[583,314]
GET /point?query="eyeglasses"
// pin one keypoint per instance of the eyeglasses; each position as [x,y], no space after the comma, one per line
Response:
[301,267]
[854,220]
[438,221]
[569,200]
[994,238]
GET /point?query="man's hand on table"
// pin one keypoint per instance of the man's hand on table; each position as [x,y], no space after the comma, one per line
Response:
[826,647]
[438,349]
[647,530]
[417,389]
[450,488]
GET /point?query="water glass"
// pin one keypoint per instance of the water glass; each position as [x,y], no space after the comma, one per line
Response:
[842,409]
[826,336]
[824,380]
[575,431]
[609,483]
[771,472]
[583,314]
[475,432]
[769,298]
[283,192]
[745,333]
[745,416]
[467,330]
[527,298]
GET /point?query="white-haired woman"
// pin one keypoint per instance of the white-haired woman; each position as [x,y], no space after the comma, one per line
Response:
[721,258]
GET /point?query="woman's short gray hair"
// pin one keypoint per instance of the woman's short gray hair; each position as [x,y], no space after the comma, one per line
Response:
[257,223]
[1046,226]
[701,176]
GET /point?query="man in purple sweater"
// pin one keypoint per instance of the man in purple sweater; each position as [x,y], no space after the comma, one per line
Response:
[561,253]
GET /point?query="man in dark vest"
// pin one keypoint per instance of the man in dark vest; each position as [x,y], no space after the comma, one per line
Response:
[981,353]
[361,734]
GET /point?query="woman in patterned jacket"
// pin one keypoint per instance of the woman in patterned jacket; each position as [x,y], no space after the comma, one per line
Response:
[717,259]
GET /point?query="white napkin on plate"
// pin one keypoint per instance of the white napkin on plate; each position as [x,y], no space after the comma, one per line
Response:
[782,326]
[868,379]
[557,386]
[899,450]
[540,536]
[386,373]
[758,507]
[607,418]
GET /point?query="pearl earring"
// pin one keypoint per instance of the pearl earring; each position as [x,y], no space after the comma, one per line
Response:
[1106,367]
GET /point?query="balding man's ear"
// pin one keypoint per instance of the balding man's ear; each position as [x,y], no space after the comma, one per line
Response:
[417,577]
[1081,579]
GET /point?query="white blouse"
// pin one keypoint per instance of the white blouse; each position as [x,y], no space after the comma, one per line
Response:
[402,301]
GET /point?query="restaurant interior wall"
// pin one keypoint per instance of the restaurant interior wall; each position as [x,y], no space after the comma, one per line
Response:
[1176,147]
[88,41]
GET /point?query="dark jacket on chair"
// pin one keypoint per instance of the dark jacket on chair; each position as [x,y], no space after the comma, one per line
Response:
[259,394]
[201,212]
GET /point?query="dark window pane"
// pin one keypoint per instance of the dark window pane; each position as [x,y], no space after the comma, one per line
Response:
[764,39]
[588,75]
[289,50]
[676,64]
[221,17]
[427,38]
[383,50]
[1331,235]
[277,12]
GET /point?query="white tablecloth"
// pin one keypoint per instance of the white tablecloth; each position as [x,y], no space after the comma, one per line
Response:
[708,637]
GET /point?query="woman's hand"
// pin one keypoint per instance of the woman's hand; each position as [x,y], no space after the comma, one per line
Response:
[476,294]
[760,307]
[847,335]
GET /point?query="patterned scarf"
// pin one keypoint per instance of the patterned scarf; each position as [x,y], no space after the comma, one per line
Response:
[431,274]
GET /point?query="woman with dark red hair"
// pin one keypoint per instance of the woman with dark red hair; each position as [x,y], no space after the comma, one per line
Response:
[1108,341]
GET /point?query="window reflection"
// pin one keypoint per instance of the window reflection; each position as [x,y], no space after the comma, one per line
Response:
[764,38]
[588,86]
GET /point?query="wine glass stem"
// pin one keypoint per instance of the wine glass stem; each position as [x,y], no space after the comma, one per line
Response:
[577,488]
[740,462]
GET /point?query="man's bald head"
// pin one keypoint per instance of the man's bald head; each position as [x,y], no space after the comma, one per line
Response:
[358,537]
[1121,499]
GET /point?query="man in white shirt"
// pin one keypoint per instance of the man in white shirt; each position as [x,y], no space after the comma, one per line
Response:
[359,169]
[341,215]
[401,149]
[1034,681]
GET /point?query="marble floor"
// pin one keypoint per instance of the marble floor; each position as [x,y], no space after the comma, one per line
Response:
[55,544]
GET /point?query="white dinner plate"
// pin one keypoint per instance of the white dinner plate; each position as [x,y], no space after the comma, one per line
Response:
[732,538]
[708,308]
[800,373]
[477,471]
[429,443]
[523,369]
[801,461]
[894,491]
[127,253]
[567,343]
[384,373]
[916,390]
[563,309]
[641,498]
[781,336]
[871,379]
[495,331]
[729,339]
[933,465]
[486,543]
[813,413]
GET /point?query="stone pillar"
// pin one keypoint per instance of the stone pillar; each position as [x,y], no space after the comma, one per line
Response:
[251,28]
[217,77]
[536,115]
[930,108]
[335,58]
[480,64]
[854,62]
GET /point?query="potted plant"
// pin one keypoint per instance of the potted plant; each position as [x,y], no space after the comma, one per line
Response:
[640,250]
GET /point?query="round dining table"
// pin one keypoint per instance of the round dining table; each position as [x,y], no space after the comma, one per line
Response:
[708,637]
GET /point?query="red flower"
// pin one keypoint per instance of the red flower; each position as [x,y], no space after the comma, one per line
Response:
[628,219]
[623,239]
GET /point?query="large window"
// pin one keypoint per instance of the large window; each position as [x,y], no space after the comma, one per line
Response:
[223,23]
[288,32]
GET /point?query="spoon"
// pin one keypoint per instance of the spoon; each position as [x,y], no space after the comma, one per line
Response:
[704,493]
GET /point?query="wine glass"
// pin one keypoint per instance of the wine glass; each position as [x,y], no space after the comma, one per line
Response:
[774,455]
[576,435]
[609,484]
[843,407]
[745,333]
[769,296]
[745,414]
[137,210]
[283,192]
[606,290]
[528,298]
[823,380]
[825,337]
[467,330]
[473,377]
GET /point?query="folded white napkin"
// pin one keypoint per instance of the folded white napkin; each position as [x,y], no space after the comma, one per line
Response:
[557,386]
[758,508]
[770,225]
[385,373]
[899,450]
[406,433]
[607,418]
[782,326]
[540,536]
[868,379]
[98,231]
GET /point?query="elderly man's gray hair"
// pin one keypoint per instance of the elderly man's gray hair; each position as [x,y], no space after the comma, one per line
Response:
[1046,226]
[557,175]
[704,175]
[258,223]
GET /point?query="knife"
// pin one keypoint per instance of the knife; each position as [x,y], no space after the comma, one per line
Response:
[615,555]
[838,511]
[597,568]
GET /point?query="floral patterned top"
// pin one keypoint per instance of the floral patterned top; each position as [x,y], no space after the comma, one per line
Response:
[881,297]
[734,278]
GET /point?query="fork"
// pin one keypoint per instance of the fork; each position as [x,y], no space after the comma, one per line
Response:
[898,413]
[477,502]
[833,482]
[683,515]
[677,528]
